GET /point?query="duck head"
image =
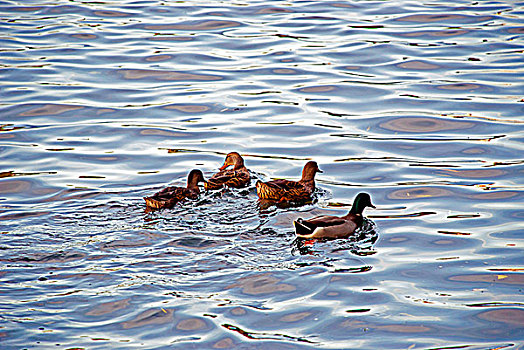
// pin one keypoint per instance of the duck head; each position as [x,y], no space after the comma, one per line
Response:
[234,159]
[309,171]
[195,177]
[362,200]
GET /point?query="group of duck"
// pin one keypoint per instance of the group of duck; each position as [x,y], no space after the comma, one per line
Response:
[233,173]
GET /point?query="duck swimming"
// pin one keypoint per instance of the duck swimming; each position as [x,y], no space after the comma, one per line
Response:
[169,196]
[237,177]
[334,226]
[287,190]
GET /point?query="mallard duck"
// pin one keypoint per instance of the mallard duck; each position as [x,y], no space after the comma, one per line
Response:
[327,226]
[237,177]
[171,195]
[287,190]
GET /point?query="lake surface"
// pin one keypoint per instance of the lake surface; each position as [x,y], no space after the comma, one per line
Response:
[419,104]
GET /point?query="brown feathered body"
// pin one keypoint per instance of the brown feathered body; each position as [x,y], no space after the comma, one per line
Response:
[169,196]
[287,190]
[236,177]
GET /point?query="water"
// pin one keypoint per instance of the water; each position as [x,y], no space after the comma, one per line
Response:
[417,103]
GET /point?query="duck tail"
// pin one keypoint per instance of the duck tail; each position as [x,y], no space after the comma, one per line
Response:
[150,202]
[260,191]
[301,227]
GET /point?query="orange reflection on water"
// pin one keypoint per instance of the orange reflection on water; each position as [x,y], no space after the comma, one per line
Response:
[420,192]
[490,278]
[507,315]
[424,124]
[49,109]
[189,108]
[150,317]
[417,65]
[109,307]
[165,75]
[263,283]
[476,173]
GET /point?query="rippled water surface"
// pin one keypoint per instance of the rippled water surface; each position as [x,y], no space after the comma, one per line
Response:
[418,103]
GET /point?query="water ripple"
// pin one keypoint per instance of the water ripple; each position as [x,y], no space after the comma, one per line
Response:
[418,104]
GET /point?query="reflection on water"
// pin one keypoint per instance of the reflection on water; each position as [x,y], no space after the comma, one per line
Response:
[418,104]
[424,125]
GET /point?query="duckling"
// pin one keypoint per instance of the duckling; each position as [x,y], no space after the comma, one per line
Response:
[287,190]
[169,196]
[237,177]
[334,226]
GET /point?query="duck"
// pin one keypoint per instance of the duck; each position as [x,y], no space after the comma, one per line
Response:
[169,196]
[236,177]
[332,227]
[288,190]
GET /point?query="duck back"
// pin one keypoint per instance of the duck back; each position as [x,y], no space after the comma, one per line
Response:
[229,178]
[282,190]
[169,196]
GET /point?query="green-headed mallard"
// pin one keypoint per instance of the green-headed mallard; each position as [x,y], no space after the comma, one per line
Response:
[330,227]
[171,195]
[287,190]
[237,177]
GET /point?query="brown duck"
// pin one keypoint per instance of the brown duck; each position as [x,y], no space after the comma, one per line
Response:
[287,190]
[236,177]
[169,196]
[331,227]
